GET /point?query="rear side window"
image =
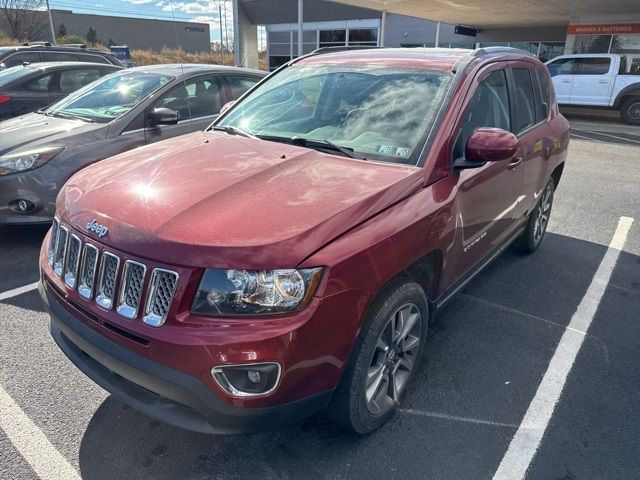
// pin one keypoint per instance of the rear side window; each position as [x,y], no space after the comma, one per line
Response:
[72,80]
[591,66]
[545,89]
[240,84]
[19,58]
[524,97]
[489,107]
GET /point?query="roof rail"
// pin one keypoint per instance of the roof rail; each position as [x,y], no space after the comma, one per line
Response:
[321,50]
[486,50]
[36,44]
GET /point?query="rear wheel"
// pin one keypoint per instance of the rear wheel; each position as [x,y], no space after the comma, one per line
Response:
[630,111]
[384,360]
[538,220]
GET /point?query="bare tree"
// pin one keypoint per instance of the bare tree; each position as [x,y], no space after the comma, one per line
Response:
[23,18]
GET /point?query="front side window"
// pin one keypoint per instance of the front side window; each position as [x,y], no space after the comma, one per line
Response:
[39,84]
[377,112]
[195,98]
[525,100]
[489,107]
[562,66]
[110,97]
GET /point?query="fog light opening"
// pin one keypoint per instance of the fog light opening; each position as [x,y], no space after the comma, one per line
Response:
[247,380]
[22,205]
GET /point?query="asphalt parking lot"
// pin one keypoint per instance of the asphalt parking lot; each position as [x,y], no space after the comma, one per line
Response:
[486,360]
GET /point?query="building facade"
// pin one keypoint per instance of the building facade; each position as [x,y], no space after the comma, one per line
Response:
[137,33]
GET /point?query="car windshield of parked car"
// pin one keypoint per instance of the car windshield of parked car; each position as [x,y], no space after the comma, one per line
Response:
[10,74]
[109,97]
[372,112]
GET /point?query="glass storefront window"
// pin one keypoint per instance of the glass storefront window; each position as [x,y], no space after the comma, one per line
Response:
[332,38]
[592,44]
[363,36]
[549,50]
[625,44]
[531,47]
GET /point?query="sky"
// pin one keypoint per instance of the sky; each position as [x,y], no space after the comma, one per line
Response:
[204,11]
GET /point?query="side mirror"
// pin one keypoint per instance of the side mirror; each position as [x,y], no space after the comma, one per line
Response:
[227,106]
[162,116]
[487,145]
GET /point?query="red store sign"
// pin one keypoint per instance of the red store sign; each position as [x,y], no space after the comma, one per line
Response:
[613,28]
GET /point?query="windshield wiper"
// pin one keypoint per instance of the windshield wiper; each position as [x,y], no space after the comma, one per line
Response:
[231,130]
[327,145]
[69,115]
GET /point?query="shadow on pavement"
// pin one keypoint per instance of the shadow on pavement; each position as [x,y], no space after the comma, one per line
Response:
[485,359]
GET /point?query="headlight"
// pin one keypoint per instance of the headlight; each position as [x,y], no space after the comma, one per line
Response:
[23,161]
[259,292]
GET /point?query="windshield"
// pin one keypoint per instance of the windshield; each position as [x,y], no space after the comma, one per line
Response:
[10,74]
[109,97]
[375,112]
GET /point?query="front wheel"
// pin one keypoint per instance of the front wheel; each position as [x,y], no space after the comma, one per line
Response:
[385,357]
[538,220]
[630,111]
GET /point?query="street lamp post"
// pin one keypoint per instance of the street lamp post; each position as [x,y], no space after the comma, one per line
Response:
[53,32]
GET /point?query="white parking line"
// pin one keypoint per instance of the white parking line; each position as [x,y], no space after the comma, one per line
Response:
[526,441]
[608,135]
[33,445]
[574,134]
[18,291]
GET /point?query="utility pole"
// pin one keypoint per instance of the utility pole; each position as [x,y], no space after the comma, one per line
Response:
[300,27]
[53,32]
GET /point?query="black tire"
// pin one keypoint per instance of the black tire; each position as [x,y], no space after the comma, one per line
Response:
[630,111]
[538,220]
[350,405]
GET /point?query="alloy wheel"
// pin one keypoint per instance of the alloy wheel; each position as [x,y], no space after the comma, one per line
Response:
[542,213]
[393,359]
[634,110]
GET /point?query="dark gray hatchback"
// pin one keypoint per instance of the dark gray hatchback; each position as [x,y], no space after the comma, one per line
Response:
[119,112]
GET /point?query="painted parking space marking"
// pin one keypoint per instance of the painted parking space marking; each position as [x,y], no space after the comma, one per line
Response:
[525,443]
[582,137]
[18,291]
[617,137]
[31,442]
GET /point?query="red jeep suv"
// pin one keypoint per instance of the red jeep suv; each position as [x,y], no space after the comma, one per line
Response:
[289,258]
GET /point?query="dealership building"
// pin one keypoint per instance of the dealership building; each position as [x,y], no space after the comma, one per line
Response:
[545,28]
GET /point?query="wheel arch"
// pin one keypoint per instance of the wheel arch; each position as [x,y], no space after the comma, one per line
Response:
[626,93]
[557,174]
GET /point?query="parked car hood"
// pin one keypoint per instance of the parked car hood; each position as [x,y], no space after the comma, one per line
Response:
[209,199]
[35,129]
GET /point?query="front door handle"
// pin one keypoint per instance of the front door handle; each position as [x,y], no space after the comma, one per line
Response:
[565,81]
[515,162]
[603,81]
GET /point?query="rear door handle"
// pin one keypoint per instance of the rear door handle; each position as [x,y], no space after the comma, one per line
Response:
[514,163]
[603,81]
[565,81]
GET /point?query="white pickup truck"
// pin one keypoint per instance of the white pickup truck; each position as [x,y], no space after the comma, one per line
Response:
[599,80]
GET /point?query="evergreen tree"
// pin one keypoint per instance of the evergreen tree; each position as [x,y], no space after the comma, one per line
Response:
[92,36]
[62,30]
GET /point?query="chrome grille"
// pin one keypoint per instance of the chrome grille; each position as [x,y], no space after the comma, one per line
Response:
[72,261]
[83,266]
[60,250]
[52,242]
[161,290]
[107,284]
[88,271]
[131,289]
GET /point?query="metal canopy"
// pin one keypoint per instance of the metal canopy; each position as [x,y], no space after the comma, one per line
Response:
[503,13]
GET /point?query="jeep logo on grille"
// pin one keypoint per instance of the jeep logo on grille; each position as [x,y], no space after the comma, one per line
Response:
[94,226]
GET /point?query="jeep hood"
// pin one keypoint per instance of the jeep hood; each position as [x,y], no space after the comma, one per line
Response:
[32,130]
[215,200]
